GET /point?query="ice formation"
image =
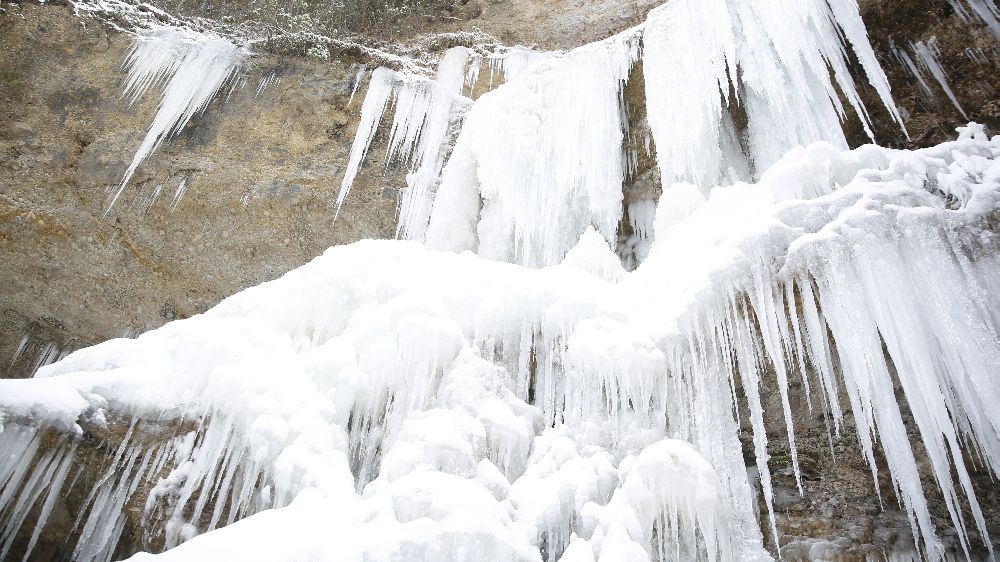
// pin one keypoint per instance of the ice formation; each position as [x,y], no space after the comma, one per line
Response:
[984,10]
[558,173]
[434,405]
[703,60]
[927,54]
[424,110]
[534,400]
[544,174]
[191,67]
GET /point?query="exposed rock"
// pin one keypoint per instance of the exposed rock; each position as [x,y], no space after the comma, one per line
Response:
[273,161]
[928,120]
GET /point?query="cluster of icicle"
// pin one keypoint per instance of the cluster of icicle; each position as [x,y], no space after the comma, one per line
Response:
[426,114]
[927,54]
[984,11]
[190,67]
[544,156]
[393,401]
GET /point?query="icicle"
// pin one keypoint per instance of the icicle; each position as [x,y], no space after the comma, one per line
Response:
[927,54]
[430,150]
[358,79]
[194,67]
[516,60]
[380,87]
[20,350]
[388,401]
[985,10]
[547,174]
[703,59]
[911,68]
[424,111]
[178,194]
[272,78]
[671,492]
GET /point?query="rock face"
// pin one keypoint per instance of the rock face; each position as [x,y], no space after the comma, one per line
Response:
[968,55]
[260,175]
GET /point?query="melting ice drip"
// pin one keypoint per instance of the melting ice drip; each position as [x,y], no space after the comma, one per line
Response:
[392,401]
[191,67]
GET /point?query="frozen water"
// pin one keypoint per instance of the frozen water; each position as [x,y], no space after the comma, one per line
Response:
[434,405]
[532,399]
[424,112]
[928,56]
[528,175]
[539,159]
[984,10]
[779,63]
[191,67]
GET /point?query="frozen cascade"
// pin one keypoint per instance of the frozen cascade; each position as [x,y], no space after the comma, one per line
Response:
[191,67]
[524,150]
[431,405]
[425,115]
[426,111]
[534,400]
[781,63]
[555,175]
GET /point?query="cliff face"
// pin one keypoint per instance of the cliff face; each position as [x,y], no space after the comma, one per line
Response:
[260,174]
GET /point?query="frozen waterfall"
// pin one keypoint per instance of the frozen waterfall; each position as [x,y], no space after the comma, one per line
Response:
[498,386]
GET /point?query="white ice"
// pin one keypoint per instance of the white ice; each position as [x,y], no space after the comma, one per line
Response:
[438,405]
[928,56]
[191,67]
